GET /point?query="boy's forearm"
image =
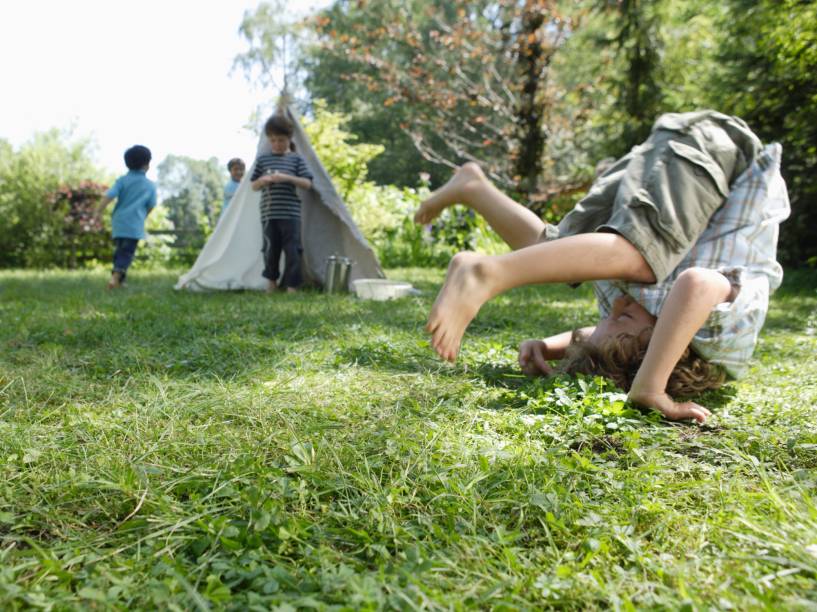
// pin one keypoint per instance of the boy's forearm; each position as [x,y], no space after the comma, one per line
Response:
[303,183]
[103,205]
[258,183]
[557,345]
[534,355]
[693,296]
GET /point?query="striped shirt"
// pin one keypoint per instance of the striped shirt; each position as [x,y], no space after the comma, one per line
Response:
[740,241]
[280,200]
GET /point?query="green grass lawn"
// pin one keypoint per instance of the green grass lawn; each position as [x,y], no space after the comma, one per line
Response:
[244,451]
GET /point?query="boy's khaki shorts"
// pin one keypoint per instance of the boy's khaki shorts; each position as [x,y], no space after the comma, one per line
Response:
[661,196]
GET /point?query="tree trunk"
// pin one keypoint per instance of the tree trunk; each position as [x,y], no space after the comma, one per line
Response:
[533,59]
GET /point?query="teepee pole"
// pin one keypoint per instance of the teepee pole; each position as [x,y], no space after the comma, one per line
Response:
[285,98]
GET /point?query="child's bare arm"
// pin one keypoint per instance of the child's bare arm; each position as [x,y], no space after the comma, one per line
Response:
[260,182]
[693,296]
[102,205]
[535,354]
[303,183]
[282,177]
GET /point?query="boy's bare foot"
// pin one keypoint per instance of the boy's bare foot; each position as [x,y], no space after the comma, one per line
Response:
[292,290]
[468,285]
[272,286]
[115,282]
[454,191]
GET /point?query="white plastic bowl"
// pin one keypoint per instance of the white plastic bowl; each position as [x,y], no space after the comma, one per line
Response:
[380,290]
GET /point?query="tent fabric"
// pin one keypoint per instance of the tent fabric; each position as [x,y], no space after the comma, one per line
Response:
[232,258]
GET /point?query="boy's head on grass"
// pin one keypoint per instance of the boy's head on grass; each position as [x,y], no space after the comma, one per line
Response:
[618,345]
[236,168]
[279,133]
[137,158]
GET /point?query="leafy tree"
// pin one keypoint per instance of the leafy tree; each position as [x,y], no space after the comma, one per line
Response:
[191,189]
[768,54]
[613,75]
[277,43]
[33,227]
[345,159]
[637,86]
[266,31]
[274,57]
[368,117]
[539,91]
[689,49]
[469,78]
[383,212]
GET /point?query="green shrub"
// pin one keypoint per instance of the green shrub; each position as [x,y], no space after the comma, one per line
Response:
[384,212]
[156,250]
[406,244]
[37,220]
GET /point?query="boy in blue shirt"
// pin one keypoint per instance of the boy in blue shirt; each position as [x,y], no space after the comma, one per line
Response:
[236,168]
[135,197]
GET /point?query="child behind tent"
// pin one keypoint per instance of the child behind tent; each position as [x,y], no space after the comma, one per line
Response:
[236,169]
[276,175]
[135,196]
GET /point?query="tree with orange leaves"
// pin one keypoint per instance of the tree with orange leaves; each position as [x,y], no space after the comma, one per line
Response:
[470,80]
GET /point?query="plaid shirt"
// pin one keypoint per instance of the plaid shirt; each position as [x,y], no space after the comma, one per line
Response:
[740,241]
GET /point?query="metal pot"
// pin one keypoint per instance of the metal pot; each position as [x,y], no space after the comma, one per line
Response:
[338,270]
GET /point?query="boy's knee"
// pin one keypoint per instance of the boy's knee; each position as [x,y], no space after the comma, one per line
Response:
[472,170]
[705,282]
[472,181]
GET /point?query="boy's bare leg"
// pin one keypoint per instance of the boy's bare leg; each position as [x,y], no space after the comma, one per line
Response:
[474,279]
[271,286]
[516,225]
[116,281]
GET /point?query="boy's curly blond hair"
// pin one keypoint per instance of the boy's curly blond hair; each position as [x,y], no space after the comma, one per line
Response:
[620,357]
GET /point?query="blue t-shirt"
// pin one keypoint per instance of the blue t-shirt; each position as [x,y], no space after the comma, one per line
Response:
[135,195]
[229,191]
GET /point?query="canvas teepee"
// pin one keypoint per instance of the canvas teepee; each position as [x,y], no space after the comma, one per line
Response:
[232,257]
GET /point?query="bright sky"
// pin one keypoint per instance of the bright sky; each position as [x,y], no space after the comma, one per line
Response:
[153,72]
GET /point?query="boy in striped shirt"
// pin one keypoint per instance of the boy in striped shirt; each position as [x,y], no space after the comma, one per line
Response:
[276,174]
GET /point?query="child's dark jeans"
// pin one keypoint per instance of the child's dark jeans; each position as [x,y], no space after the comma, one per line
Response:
[123,255]
[283,235]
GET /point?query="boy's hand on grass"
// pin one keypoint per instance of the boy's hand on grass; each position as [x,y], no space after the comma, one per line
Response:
[674,411]
[533,358]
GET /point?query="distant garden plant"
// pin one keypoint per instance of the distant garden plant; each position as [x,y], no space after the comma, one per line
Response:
[79,237]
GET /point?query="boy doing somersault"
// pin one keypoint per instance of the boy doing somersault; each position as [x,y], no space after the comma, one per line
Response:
[679,238]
